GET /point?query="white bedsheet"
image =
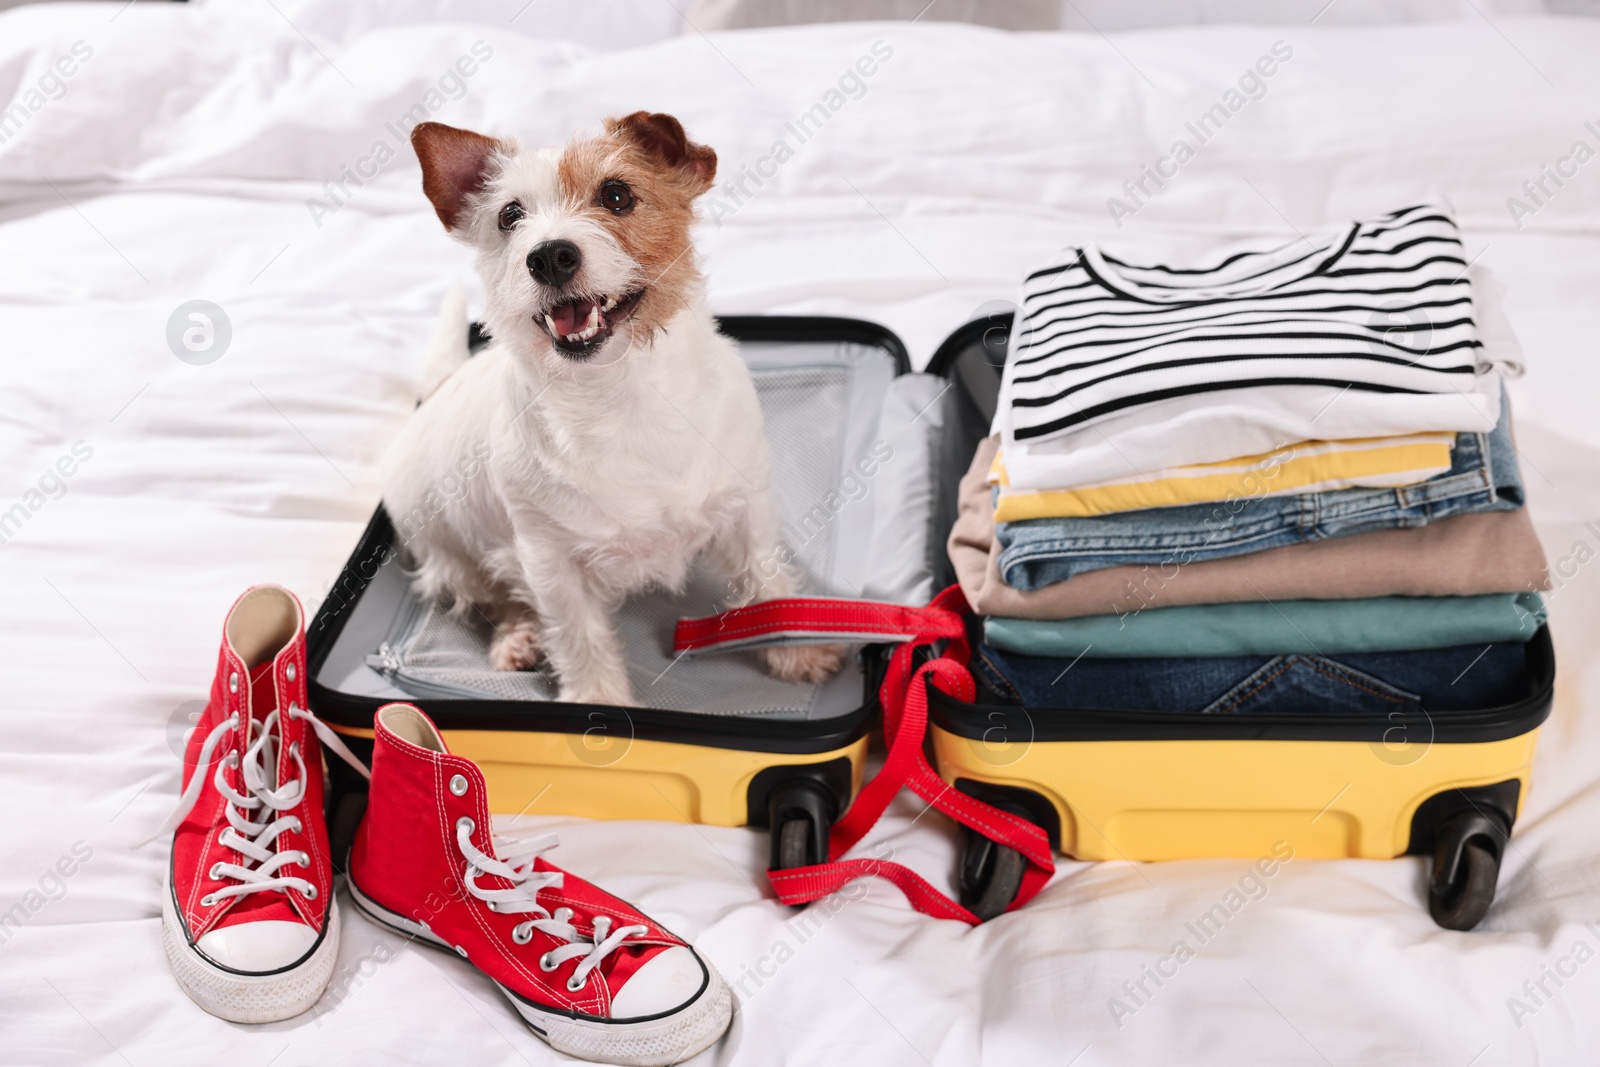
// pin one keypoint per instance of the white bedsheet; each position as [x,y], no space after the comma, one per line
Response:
[178,164]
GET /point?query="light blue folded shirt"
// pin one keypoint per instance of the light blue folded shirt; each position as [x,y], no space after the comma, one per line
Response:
[1265,628]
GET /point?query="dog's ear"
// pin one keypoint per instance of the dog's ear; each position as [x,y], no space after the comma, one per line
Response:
[455,165]
[661,137]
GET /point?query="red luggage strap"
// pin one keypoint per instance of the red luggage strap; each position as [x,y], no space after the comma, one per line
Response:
[904,697]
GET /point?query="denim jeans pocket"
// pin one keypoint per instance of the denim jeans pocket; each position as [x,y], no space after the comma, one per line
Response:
[995,679]
[1311,684]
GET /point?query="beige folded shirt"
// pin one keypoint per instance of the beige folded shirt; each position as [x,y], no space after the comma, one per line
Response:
[1465,555]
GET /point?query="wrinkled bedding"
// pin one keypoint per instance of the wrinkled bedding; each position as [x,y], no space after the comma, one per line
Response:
[252,155]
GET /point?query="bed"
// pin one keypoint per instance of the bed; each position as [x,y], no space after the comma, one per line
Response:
[251,156]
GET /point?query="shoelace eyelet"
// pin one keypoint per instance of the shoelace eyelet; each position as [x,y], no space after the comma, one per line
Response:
[519,870]
[458,785]
[255,801]
[288,672]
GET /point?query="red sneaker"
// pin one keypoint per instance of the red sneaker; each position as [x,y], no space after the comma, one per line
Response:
[248,917]
[588,972]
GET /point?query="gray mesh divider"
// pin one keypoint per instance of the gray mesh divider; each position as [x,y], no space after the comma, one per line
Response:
[795,404]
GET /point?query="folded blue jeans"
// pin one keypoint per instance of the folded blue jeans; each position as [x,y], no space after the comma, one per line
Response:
[1483,476]
[1462,678]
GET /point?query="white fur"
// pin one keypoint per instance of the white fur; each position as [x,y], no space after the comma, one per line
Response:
[447,349]
[530,179]
[546,491]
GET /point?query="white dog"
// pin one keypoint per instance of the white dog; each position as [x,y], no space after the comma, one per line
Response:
[608,435]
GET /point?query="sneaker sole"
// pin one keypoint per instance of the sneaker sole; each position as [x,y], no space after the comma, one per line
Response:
[656,1042]
[248,998]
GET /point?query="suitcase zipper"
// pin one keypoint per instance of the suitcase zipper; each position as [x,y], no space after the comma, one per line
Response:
[392,657]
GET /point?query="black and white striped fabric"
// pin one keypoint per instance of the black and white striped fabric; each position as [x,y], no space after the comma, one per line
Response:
[1384,306]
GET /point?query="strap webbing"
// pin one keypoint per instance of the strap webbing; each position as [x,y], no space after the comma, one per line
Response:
[904,697]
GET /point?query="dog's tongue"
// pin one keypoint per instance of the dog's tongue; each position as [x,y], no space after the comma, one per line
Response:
[572,317]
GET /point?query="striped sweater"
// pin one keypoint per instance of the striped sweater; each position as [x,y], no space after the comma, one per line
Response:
[1383,306]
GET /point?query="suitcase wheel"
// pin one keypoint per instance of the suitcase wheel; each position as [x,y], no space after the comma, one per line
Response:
[800,814]
[1466,864]
[991,875]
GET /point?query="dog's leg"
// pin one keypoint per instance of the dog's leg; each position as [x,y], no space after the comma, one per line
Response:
[583,647]
[577,636]
[749,559]
[516,640]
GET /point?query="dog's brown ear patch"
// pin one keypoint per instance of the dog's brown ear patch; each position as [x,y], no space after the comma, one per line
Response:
[455,165]
[661,137]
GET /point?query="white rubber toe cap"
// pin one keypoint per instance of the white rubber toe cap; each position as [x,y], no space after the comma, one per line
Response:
[258,947]
[668,981]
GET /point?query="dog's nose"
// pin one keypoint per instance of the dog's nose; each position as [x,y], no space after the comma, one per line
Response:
[554,262]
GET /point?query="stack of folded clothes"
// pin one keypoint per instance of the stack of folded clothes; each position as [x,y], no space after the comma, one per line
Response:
[1282,483]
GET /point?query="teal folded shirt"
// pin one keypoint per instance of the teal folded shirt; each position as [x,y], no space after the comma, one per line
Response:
[1309,627]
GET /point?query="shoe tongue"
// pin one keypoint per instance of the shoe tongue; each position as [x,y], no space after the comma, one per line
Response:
[263,696]
[258,907]
[261,907]
[263,699]
[621,964]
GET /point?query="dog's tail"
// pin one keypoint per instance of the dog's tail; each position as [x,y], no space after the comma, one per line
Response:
[448,348]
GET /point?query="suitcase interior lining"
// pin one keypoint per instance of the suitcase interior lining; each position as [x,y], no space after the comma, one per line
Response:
[856,456]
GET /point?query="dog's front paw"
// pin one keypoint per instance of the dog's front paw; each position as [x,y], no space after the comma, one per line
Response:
[514,648]
[804,663]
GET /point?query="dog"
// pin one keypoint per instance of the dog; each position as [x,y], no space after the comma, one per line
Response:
[608,436]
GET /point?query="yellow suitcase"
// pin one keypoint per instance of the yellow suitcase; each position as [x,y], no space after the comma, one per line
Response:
[1119,785]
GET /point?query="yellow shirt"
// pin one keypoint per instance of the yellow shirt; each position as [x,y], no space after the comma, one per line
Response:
[1306,467]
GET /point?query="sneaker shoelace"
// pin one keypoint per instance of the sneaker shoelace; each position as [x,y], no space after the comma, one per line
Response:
[520,899]
[253,838]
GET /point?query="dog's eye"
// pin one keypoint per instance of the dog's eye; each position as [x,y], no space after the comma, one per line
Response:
[616,197]
[510,215]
